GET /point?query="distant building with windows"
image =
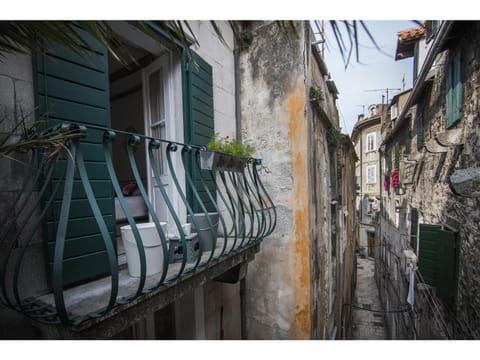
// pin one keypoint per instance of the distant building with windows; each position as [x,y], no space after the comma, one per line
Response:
[366,138]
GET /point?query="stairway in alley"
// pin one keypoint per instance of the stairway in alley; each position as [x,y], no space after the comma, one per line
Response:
[367,315]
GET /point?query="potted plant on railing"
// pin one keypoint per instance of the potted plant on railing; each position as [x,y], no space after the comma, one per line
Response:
[224,153]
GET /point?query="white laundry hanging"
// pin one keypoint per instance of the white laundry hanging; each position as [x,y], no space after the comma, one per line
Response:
[411,287]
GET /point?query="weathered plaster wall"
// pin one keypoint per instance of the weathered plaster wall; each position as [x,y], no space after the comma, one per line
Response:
[347,159]
[290,285]
[325,201]
[273,100]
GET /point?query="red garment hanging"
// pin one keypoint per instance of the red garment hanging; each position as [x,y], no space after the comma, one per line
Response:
[395,179]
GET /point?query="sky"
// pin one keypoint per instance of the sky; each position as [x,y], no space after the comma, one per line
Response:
[363,84]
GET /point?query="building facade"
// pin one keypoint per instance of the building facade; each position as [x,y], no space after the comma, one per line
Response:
[428,230]
[297,288]
[366,137]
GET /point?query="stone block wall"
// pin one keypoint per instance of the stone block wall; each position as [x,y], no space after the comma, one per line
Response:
[432,192]
[16,105]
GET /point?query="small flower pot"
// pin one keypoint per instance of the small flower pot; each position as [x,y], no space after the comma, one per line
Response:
[213,160]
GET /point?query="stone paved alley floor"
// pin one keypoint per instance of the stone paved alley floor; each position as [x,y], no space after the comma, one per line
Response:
[367,325]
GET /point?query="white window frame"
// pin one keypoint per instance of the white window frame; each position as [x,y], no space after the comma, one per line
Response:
[374,167]
[374,142]
[394,112]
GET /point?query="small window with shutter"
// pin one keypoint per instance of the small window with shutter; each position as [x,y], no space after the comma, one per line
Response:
[419,129]
[454,90]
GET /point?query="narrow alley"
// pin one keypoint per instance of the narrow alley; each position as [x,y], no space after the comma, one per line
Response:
[367,315]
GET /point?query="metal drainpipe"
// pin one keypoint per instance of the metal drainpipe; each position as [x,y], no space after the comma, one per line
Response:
[361,183]
[377,254]
[238,130]
[243,319]
[238,114]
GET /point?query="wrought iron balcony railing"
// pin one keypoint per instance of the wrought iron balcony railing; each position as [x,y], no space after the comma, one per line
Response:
[246,214]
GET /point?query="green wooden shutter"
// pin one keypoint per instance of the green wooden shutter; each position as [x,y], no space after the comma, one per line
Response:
[389,159]
[419,130]
[428,253]
[397,155]
[74,88]
[454,90]
[413,229]
[437,260]
[407,142]
[198,119]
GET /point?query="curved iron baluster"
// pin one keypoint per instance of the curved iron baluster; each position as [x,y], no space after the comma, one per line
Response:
[264,209]
[229,205]
[30,236]
[108,139]
[254,191]
[57,272]
[171,147]
[187,151]
[107,240]
[253,213]
[212,200]
[156,145]
[233,179]
[236,210]
[18,233]
[272,207]
[134,141]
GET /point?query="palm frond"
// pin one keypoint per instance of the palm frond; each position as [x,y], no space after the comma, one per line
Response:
[218,32]
[24,36]
[372,39]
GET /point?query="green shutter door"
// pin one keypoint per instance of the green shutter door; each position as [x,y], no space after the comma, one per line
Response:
[437,260]
[198,119]
[428,253]
[70,87]
[446,269]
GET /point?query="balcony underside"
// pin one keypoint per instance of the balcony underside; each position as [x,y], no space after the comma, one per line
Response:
[85,298]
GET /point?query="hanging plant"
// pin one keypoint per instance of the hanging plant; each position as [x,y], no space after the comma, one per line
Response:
[316,94]
[230,146]
[224,153]
[333,136]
